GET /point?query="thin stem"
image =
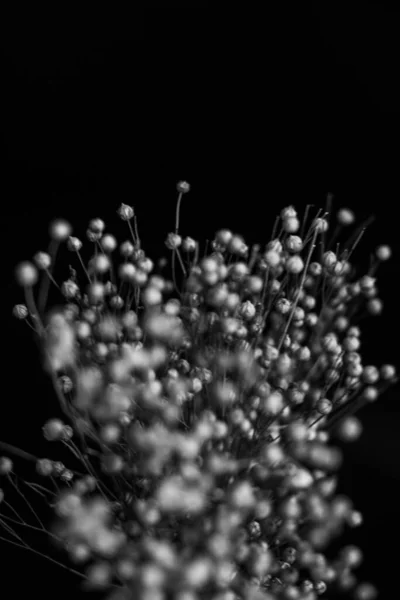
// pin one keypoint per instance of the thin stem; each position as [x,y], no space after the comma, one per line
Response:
[357,236]
[132,234]
[26,501]
[306,212]
[29,526]
[181,262]
[72,446]
[173,271]
[18,452]
[56,562]
[275,227]
[14,511]
[30,302]
[30,326]
[136,230]
[178,208]
[45,284]
[34,487]
[11,531]
[83,266]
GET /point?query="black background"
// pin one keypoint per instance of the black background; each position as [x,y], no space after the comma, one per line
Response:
[257,111]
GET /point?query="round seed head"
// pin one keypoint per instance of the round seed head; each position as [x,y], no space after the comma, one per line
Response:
[183,187]
[383,252]
[125,212]
[97,225]
[60,230]
[26,274]
[74,244]
[20,311]
[42,260]
[345,216]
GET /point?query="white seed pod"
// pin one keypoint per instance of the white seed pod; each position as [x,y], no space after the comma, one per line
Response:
[146,264]
[345,216]
[129,319]
[96,292]
[70,289]
[53,430]
[289,212]
[151,296]
[301,479]
[283,306]
[272,258]
[370,374]
[26,274]
[140,278]
[330,342]
[232,301]
[45,467]
[112,463]
[370,393]
[42,260]
[383,252]
[349,429]
[237,245]
[125,212]
[83,330]
[209,265]
[291,225]
[65,384]
[242,496]
[92,236]
[110,433]
[273,455]
[388,372]
[97,226]
[6,465]
[294,243]
[173,241]
[294,265]
[60,230]
[315,269]
[298,314]
[79,552]
[351,343]
[273,404]
[183,187]
[375,306]
[321,225]
[324,406]
[117,302]
[247,310]
[304,353]
[74,244]
[255,284]
[127,271]
[329,259]
[367,283]
[108,243]
[20,311]
[99,264]
[223,237]
[189,244]
[283,364]
[217,295]
[127,249]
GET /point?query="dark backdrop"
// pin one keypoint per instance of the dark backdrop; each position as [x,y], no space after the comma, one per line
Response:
[256,111]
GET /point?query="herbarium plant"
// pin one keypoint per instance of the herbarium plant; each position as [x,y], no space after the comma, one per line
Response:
[202,409]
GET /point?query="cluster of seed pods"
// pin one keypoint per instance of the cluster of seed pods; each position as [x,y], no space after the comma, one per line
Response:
[203,407]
